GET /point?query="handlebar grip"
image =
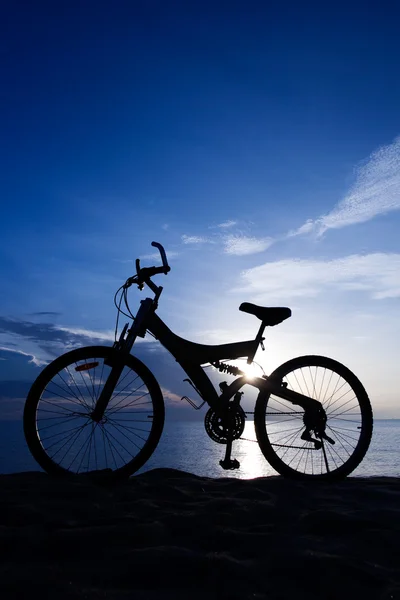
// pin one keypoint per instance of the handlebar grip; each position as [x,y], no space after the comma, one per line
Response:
[163,255]
[137,266]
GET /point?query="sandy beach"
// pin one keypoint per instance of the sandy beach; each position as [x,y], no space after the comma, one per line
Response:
[170,534]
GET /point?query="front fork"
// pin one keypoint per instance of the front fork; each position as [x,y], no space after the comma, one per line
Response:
[118,356]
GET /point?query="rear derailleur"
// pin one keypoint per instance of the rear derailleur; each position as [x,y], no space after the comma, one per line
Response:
[315,421]
[227,427]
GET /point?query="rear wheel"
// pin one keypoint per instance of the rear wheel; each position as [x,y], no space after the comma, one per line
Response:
[280,424]
[60,431]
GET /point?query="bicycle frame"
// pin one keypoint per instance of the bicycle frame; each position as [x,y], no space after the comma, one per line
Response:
[191,356]
[200,354]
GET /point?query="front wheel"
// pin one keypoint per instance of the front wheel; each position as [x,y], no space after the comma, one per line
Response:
[58,425]
[279,424]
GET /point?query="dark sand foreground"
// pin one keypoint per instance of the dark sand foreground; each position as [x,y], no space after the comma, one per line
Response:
[169,534]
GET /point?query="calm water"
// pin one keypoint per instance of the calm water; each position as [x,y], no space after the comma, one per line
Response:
[186,446]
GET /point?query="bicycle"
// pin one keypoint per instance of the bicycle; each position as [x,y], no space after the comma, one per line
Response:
[100,409]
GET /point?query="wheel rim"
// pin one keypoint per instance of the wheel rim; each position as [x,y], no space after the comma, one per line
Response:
[284,422]
[66,431]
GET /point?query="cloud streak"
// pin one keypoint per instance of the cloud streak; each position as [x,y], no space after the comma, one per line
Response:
[240,245]
[29,357]
[378,275]
[227,224]
[195,239]
[156,255]
[376,191]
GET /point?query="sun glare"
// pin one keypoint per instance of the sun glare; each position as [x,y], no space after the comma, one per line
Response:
[250,371]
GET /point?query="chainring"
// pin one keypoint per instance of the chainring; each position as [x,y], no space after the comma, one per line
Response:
[218,429]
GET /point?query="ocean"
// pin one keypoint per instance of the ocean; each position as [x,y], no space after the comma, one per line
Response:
[185,445]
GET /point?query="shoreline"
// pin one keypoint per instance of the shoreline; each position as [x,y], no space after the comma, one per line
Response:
[170,534]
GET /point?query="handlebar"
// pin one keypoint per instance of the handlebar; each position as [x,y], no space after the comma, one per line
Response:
[147,272]
[163,256]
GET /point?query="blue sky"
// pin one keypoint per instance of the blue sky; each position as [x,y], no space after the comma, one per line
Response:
[259,144]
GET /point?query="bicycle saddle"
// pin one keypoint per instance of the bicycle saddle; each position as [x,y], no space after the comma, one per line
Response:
[269,316]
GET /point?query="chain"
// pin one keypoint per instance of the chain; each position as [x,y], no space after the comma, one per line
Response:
[275,413]
[292,412]
[293,447]
[285,413]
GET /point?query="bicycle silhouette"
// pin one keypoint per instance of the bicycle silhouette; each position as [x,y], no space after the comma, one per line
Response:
[98,408]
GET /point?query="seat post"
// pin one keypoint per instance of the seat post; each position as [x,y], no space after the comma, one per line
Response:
[257,341]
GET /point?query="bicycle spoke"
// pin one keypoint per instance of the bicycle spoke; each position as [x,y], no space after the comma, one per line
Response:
[74,438]
[108,433]
[100,382]
[112,412]
[77,454]
[334,413]
[80,404]
[113,409]
[333,393]
[297,453]
[123,389]
[344,435]
[82,373]
[286,406]
[70,391]
[337,400]
[121,428]
[327,388]
[77,387]
[49,437]
[340,441]
[285,430]
[116,423]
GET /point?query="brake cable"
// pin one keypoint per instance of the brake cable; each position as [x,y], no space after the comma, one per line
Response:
[124,296]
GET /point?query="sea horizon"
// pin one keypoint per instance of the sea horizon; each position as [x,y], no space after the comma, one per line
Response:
[185,446]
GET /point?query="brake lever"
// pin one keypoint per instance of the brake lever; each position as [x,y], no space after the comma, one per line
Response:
[133,280]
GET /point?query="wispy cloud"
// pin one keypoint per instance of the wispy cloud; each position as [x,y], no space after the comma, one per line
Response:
[225,225]
[78,332]
[241,245]
[195,239]
[31,358]
[377,274]
[308,227]
[376,191]
[44,341]
[171,396]
[156,255]
[44,313]
[51,337]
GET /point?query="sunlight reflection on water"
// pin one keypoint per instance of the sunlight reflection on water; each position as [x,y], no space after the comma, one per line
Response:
[186,446]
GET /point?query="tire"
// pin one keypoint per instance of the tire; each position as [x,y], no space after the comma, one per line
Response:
[58,428]
[279,423]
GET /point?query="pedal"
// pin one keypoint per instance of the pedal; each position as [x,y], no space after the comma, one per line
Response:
[229,464]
